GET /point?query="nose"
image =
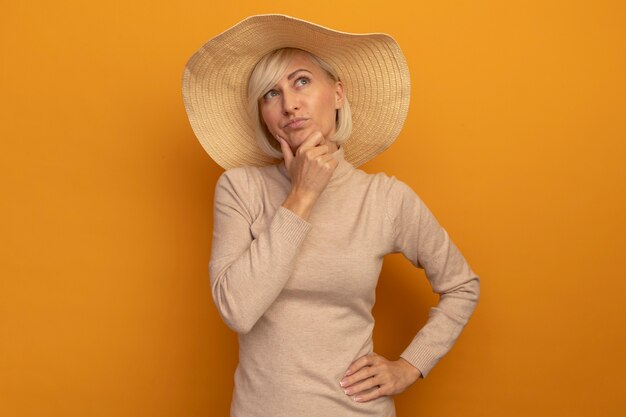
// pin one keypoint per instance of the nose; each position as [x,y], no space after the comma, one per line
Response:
[290,102]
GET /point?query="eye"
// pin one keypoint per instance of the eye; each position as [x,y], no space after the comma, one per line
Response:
[302,81]
[270,94]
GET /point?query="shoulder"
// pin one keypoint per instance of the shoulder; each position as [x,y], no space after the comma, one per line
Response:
[249,181]
[233,179]
[388,185]
[233,175]
[401,202]
[244,176]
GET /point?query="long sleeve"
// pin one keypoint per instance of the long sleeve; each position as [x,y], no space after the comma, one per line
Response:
[248,273]
[300,293]
[418,235]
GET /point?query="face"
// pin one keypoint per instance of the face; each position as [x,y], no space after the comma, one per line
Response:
[304,100]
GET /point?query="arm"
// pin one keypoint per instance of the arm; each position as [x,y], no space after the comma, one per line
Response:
[418,235]
[248,274]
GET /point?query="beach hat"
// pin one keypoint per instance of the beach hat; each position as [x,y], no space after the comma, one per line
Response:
[215,83]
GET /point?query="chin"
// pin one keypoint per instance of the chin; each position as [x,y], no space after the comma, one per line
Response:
[296,141]
[298,138]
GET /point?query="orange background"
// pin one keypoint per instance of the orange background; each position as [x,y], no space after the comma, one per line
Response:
[516,139]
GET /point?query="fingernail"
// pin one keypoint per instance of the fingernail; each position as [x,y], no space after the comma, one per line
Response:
[357,399]
[342,383]
[346,391]
[348,372]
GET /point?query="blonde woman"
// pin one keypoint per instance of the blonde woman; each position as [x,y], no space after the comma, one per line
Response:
[290,109]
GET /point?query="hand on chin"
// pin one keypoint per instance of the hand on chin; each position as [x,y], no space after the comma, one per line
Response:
[297,138]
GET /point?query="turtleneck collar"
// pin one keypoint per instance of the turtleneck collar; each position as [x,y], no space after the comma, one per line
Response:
[341,171]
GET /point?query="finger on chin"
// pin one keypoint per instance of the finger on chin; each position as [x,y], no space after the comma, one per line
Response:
[315,139]
[286,149]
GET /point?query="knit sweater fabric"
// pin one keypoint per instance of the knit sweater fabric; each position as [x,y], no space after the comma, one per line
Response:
[300,293]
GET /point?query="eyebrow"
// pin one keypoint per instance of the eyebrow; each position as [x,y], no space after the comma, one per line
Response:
[293,74]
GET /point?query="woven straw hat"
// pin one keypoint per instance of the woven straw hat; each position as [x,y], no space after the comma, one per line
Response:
[215,82]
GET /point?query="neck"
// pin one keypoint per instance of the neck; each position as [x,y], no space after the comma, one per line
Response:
[332,146]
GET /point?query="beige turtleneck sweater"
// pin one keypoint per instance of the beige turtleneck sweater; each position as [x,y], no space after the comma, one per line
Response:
[300,293]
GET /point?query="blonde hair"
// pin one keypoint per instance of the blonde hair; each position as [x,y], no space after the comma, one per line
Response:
[265,75]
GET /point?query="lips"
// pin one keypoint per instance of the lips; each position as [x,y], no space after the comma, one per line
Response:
[295,123]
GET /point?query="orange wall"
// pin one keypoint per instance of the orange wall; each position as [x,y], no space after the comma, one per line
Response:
[516,139]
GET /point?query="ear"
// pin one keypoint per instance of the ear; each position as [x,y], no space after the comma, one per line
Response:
[339,95]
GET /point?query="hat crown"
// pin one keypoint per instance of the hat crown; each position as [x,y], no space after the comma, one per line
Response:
[371,66]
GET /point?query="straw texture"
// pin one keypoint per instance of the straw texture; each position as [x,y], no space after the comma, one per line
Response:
[371,67]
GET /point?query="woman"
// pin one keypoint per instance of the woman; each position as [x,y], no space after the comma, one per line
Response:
[298,244]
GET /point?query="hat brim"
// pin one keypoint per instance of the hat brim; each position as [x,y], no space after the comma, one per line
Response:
[371,66]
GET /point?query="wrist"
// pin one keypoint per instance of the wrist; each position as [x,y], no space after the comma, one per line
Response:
[300,203]
[411,370]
